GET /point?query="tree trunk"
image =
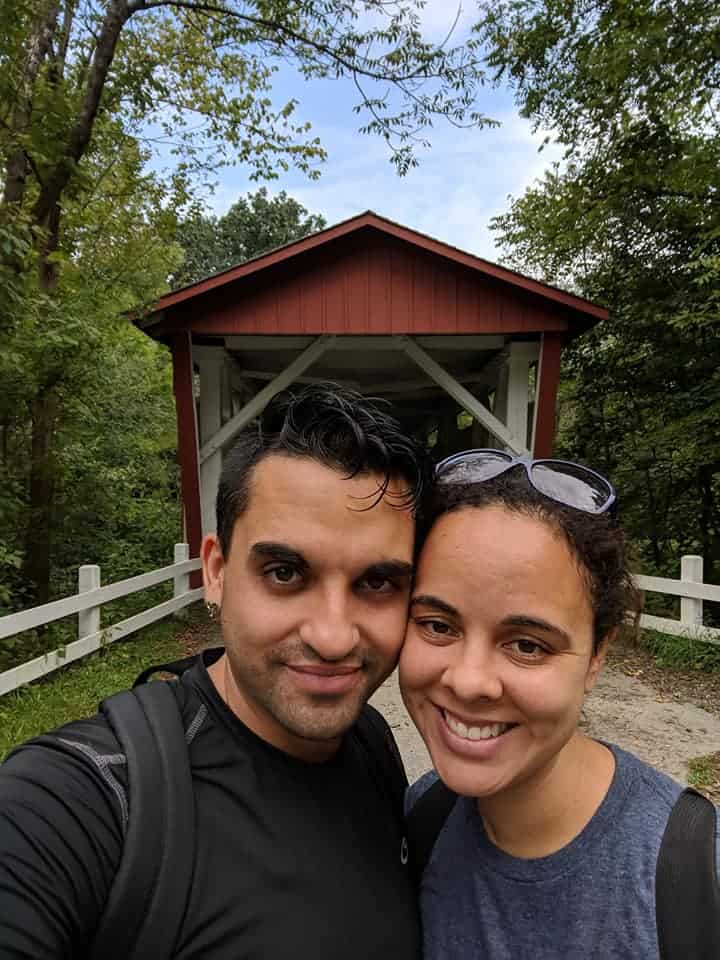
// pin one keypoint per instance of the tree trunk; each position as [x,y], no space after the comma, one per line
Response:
[45,412]
[38,46]
[38,538]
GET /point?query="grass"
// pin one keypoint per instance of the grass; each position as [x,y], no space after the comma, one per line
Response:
[76,690]
[704,775]
[681,652]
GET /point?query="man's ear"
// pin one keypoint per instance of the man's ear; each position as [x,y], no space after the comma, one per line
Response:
[598,659]
[213,568]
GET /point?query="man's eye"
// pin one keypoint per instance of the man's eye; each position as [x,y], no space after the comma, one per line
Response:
[282,574]
[377,584]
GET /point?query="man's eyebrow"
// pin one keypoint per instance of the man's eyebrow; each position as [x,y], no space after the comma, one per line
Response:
[537,623]
[391,569]
[278,551]
[427,600]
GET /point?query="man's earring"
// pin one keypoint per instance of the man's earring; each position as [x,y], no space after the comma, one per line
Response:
[213,610]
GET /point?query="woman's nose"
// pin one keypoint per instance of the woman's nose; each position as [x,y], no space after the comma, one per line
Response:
[474,675]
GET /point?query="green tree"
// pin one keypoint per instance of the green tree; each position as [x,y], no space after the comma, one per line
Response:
[74,359]
[253,225]
[631,218]
[83,83]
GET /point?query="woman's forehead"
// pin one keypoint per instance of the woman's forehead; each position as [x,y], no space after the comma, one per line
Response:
[474,554]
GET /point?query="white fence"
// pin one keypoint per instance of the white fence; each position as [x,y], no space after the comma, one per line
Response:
[91,597]
[692,591]
[86,604]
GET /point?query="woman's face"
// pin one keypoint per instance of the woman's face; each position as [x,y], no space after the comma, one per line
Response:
[498,654]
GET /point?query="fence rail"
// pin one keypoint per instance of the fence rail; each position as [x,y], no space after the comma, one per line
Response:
[692,591]
[87,603]
[89,599]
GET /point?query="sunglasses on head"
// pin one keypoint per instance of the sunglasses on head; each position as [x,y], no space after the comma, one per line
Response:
[568,483]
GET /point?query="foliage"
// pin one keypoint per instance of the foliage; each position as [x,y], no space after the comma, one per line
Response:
[253,225]
[631,219]
[704,775]
[76,690]
[111,461]
[109,113]
[682,652]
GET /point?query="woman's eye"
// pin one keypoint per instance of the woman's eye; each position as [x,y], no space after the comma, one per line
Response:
[436,628]
[528,648]
[282,574]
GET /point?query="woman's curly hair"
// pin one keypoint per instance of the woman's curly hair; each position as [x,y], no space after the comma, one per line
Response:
[597,541]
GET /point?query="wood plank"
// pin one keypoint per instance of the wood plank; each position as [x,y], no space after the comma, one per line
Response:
[466,400]
[49,612]
[49,662]
[677,629]
[679,588]
[258,403]
[548,378]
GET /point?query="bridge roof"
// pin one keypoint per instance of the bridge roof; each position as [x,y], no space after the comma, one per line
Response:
[437,288]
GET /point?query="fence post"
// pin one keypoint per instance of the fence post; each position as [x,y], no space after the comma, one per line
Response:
[88,620]
[691,610]
[181,584]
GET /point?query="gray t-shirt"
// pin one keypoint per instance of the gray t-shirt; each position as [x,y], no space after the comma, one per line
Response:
[594,899]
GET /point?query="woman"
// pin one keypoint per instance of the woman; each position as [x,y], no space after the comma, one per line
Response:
[551,849]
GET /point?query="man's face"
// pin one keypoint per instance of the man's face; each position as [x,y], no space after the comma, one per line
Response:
[314,596]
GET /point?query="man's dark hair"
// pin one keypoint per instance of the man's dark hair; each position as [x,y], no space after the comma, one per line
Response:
[597,541]
[335,426]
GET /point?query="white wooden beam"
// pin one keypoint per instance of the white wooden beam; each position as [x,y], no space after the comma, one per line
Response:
[269,375]
[48,662]
[521,355]
[258,403]
[264,342]
[49,612]
[466,400]
[461,341]
[210,362]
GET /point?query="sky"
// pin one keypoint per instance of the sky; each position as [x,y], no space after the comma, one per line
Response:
[463,180]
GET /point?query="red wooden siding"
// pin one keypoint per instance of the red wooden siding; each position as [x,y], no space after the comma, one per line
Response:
[548,380]
[366,283]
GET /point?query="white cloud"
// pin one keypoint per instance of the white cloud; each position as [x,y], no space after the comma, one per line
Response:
[461,183]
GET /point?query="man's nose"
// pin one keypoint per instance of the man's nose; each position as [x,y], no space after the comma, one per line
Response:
[475,673]
[330,628]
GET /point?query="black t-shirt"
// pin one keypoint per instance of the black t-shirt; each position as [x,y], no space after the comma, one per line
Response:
[293,860]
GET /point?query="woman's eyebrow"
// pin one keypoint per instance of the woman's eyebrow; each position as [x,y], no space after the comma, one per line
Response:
[536,623]
[427,600]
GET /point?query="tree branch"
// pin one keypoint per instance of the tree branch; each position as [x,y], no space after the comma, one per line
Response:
[118,13]
[277,27]
[39,45]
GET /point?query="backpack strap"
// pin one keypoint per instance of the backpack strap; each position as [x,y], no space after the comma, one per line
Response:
[424,823]
[384,757]
[687,893]
[149,894]
[176,667]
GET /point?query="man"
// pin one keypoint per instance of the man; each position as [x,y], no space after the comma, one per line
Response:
[298,847]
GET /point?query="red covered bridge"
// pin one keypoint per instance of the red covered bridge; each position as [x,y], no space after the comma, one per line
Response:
[468,351]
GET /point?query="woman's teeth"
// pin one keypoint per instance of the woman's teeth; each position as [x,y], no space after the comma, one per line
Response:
[485,732]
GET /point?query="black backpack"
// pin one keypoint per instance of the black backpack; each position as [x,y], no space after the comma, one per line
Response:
[149,895]
[687,893]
